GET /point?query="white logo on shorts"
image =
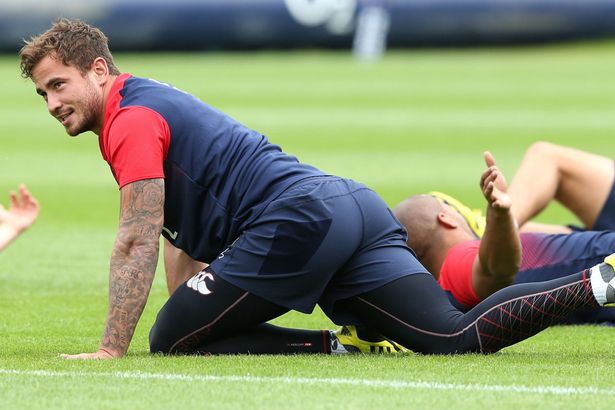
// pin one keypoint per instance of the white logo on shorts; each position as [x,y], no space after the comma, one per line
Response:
[197,282]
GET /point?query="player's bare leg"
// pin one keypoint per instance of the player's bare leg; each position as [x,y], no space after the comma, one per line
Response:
[579,180]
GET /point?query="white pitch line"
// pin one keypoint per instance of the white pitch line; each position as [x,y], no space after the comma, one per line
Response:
[392,384]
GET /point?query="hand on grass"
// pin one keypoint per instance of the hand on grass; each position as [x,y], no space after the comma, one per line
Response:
[100,354]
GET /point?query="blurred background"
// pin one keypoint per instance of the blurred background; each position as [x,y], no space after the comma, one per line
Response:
[137,25]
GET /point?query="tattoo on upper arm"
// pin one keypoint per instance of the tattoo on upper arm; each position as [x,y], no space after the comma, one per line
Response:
[143,199]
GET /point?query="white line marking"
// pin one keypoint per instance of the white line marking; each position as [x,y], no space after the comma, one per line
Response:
[392,384]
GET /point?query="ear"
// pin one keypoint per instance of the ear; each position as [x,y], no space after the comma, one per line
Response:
[447,221]
[100,70]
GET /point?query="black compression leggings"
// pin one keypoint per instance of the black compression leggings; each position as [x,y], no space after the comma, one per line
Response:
[415,312]
[229,320]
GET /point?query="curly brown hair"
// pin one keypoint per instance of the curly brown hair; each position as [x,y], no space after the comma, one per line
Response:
[72,42]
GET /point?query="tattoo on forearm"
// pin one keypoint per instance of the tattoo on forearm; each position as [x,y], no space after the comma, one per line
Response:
[134,259]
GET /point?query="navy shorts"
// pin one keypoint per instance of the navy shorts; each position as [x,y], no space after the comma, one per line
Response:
[606,219]
[322,240]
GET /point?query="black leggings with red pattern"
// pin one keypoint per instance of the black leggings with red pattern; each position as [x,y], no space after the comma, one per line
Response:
[414,311]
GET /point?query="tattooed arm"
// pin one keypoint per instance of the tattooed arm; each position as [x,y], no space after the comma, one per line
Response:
[133,264]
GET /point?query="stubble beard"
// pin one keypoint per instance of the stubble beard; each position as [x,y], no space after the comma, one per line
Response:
[90,109]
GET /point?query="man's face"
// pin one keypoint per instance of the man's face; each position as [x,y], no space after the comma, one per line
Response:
[72,98]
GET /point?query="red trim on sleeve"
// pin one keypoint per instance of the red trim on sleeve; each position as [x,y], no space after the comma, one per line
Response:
[134,140]
[456,273]
[137,145]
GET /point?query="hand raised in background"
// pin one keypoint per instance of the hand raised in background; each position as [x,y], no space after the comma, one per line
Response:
[494,186]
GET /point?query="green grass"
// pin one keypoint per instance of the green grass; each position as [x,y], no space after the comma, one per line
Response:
[417,121]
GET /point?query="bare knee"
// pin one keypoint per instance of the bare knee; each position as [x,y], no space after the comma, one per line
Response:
[543,151]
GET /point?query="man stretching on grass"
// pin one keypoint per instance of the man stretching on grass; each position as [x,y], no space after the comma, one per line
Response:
[21,214]
[277,234]
[470,269]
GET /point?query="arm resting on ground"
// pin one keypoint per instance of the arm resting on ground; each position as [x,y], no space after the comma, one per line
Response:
[133,264]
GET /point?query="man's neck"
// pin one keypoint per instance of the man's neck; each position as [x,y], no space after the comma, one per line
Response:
[438,250]
[106,91]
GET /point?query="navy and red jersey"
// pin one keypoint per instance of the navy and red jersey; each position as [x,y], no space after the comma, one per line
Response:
[545,257]
[219,175]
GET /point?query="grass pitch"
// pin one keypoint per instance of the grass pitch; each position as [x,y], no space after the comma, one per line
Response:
[417,121]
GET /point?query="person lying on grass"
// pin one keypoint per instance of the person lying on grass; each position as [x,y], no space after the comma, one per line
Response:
[446,233]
